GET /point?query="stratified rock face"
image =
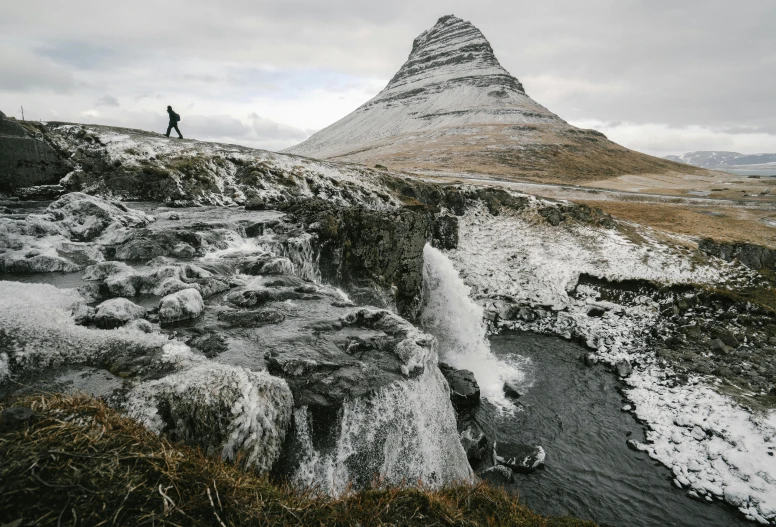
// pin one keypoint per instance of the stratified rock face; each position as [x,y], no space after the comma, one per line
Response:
[453,107]
[25,159]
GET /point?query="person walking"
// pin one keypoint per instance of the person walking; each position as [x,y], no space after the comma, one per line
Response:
[174,118]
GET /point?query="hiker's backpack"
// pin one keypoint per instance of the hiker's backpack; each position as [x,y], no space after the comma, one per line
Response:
[177,117]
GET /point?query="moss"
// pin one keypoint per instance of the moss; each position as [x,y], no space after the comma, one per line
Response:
[80,462]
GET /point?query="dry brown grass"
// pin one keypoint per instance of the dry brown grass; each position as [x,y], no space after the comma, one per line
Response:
[719,223]
[78,462]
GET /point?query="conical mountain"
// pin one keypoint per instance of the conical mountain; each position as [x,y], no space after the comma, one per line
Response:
[453,108]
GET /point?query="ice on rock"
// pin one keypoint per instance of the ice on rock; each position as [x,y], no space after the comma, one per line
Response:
[186,304]
[83,217]
[225,409]
[37,330]
[405,432]
[117,312]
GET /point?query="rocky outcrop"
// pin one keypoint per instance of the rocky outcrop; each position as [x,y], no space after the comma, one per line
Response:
[26,159]
[464,390]
[751,255]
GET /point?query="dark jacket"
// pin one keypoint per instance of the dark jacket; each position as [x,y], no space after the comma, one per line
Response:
[174,117]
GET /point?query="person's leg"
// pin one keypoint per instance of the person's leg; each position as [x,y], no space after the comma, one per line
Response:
[180,135]
[169,127]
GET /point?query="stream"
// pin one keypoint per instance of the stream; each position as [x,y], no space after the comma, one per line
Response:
[575,413]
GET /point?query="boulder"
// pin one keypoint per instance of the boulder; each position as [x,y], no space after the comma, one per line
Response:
[464,390]
[186,304]
[718,347]
[116,312]
[518,457]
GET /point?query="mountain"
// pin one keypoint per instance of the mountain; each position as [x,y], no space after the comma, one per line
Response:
[721,160]
[453,108]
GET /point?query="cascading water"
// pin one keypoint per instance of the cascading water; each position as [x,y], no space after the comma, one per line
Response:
[457,323]
[405,433]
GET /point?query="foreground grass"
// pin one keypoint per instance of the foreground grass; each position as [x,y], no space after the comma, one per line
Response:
[78,462]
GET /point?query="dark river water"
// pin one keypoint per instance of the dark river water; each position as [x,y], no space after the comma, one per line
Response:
[574,412]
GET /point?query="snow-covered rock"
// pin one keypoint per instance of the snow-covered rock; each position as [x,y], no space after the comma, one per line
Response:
[183,305]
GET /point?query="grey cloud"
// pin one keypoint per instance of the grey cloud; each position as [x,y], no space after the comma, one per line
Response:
[108,100]
[23,71]
[696,62]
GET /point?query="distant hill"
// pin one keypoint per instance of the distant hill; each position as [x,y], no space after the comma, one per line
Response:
[452,107]
[729,161]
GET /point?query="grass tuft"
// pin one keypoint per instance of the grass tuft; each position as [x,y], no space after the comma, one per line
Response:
[79,462]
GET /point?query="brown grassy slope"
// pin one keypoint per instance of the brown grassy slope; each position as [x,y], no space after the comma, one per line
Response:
[539,153]
[80,462]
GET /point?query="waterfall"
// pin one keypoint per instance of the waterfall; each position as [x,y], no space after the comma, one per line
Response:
[403,434]
[458,324]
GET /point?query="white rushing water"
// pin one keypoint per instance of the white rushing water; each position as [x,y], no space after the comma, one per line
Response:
[458,324]
[404,434]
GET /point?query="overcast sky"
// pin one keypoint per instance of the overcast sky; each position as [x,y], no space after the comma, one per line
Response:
[660,76]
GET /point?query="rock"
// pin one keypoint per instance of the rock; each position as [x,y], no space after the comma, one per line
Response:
[512,391]
[255,204]
[116,312]
[186,304]
[725,335]
[632,445]
[229,411]
[83,315]
[464,390]
[518,457]
[475,444]
[590,359]
[210,344]
[497,475]
[25,158]
[623,368]
[141,325]
[15,416]
[595,311]
[718,347]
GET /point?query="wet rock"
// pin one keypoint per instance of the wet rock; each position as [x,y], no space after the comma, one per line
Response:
[511,391]
[632,445]
[475,444]
[186,304]
[82,217]
[623,368]
[267,264]
[464,390]
[250,318]
[552,214]
[116,312]
[497,475]
[211,344]
[518,457]
[15,417]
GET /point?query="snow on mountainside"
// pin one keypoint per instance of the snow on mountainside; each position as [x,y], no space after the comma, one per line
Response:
[453,107]
[722,160]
